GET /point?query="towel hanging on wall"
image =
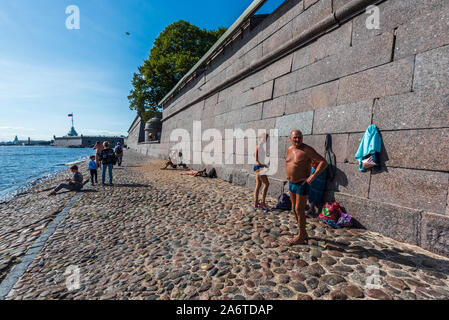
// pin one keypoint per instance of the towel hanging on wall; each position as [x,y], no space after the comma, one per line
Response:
[370,145]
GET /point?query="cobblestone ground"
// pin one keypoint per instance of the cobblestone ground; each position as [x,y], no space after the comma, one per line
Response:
[25,217]
[158,235]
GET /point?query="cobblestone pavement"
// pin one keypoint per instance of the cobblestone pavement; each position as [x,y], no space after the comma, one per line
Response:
[158,235]
[25,217]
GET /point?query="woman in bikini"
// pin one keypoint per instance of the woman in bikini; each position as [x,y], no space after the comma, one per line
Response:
[260,169]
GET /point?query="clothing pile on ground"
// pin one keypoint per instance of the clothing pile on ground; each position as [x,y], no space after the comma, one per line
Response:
[334,216]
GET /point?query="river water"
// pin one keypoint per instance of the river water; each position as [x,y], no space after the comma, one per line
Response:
[23,166]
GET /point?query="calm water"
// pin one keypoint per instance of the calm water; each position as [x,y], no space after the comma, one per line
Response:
[22,166]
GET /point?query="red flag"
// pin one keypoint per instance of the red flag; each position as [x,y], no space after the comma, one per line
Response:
[71,115]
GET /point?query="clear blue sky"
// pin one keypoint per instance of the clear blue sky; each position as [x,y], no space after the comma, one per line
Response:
[48,71]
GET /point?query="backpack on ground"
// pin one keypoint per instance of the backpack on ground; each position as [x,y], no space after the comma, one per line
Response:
[284,202]
[212,173]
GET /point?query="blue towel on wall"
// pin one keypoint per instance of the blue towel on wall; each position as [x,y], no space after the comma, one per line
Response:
[371,144]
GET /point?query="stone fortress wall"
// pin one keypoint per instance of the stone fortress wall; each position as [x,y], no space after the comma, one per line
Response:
[313,65]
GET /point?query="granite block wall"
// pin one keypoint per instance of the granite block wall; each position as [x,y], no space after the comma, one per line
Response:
[396,77]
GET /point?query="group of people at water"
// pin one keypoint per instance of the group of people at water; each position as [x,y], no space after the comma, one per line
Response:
[105,157]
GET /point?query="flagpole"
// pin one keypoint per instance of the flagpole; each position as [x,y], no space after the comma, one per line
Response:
[72,119]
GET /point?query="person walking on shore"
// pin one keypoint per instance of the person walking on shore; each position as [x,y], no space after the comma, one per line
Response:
[99,148]
[74,184]
[298,166]
[119,154]
[93,170]
[260,169]
[108,159]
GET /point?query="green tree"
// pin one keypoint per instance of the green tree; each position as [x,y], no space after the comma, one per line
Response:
[176,50]
[139,97]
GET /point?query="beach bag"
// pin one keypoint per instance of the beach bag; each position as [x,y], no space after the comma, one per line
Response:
[330,159]
[331,213]
[212,173]
[284,202]
[345,220]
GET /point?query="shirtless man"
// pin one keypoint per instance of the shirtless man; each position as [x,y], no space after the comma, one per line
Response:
[298,167]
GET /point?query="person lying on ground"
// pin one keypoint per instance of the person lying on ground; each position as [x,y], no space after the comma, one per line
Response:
[170,164]
[298,167]
[195,173]
[74,184]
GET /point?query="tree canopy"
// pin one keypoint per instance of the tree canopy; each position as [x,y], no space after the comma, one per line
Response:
[176,50]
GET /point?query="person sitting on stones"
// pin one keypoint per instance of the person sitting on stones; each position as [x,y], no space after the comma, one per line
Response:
[298,167]
[195,173]
[170,164]
[74,184]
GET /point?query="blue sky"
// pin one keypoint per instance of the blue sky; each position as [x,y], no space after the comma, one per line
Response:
[48,71]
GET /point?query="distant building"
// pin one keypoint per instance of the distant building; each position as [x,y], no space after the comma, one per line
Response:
[28,142]
[85,141]
[72,140]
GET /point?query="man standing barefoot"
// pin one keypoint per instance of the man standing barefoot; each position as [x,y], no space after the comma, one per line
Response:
[298,167]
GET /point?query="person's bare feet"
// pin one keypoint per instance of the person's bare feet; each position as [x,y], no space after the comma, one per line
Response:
[301,240]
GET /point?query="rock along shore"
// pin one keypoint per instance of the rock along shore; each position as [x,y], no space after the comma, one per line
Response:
[159,235]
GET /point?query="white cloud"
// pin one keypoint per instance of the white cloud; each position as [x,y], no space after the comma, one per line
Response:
[6,128]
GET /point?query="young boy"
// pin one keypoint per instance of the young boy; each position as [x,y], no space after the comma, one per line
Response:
[93,170]
[74,184]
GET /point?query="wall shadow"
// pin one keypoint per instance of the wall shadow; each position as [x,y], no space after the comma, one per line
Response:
[407,258]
